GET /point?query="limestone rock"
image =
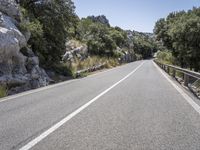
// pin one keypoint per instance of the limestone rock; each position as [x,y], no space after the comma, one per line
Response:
[11,41]
[101,19]
[75,50]
[10,8]
[19,67]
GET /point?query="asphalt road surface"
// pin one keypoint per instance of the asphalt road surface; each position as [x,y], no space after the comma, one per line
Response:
[131,107]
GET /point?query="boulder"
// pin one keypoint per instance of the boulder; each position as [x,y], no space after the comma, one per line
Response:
[39,78]
[101,19]
[31,62]
[75,50]
[11,41]
[10,8]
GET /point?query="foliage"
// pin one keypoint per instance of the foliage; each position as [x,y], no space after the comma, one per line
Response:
[100,38]
[144,45]
[180,32]
[52,23]
[91,62]
[165,57]
[65,69]
[3,91]
[119,36]
[49,25]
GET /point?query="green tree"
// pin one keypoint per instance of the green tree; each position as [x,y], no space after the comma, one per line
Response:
[180,32]
[55,17]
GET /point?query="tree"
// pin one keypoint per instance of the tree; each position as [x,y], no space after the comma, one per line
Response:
[98,37]
[180,34]
[118,37]
[56,17]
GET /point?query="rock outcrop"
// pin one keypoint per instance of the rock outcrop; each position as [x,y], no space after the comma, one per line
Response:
[101,19]
[18,71]
[10,8]
[75,50]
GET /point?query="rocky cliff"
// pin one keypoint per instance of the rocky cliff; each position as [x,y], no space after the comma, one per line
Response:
[101,19]
[19,67]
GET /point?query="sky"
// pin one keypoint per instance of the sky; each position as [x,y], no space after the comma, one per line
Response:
[139,15]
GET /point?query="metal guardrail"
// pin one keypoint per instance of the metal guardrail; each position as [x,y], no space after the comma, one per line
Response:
[91,69]
[187,74]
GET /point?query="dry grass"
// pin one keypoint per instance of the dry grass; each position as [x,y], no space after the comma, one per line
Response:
[75,43]
[3,91]
[90,62]
[94,61]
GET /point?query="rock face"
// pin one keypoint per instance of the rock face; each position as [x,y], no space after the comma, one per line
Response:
[10,8]
[18,71]
[101,19]
[75,50]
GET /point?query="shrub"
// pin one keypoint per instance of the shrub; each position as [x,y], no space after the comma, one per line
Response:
[3,91]
[165,57]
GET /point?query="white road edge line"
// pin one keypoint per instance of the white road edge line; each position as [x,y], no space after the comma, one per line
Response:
[73,114]
[35,90]
[185,96]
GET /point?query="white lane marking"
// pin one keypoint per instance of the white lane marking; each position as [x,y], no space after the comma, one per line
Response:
[185,96]
[73,114]
[114,68]
[50,86]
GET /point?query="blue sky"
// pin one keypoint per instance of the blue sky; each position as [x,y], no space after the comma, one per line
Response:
[137,15]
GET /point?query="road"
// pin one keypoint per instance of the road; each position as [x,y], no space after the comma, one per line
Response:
[131,107]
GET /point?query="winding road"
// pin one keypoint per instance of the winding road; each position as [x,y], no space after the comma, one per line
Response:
[136,106]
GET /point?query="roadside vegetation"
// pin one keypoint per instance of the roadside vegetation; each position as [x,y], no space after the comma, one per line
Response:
[53,23]
[95,61]
[179,33]
[165,57]
[3,91]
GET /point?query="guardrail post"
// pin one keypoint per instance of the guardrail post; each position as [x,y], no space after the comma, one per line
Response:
[174,73]
[186,79]
[165,68]
[168,71]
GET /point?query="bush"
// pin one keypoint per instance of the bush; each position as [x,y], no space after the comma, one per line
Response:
[179,32]
[118,37]
[49,24]
[95,47]
[3,91]
[89,63]
[65,69]
[165,57]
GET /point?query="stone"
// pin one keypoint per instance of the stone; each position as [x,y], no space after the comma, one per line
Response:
[19,67]
[11,41]
[10,8]
[75,50]
[101,19]
[27,52]
[31,62]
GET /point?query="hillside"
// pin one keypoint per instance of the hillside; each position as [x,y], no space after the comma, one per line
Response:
[42,42]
